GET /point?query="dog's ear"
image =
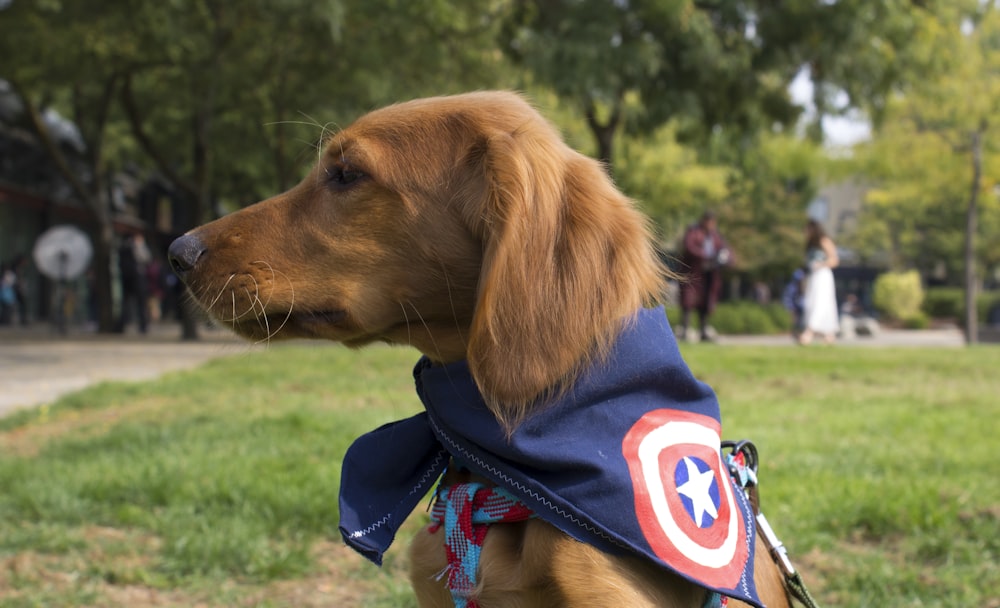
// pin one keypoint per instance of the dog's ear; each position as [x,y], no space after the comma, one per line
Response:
[567,259]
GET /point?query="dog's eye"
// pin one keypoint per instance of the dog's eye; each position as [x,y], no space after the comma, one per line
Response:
[343,176]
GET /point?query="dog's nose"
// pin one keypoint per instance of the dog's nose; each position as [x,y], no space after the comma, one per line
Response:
[183,254]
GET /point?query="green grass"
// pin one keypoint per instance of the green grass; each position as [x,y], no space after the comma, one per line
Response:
[218,486]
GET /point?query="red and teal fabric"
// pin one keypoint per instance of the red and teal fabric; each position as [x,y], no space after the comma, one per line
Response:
[466,511]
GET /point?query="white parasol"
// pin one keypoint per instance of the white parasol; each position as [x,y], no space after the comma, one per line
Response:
[62,252]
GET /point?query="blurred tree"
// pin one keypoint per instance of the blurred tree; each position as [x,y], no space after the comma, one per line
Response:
[267,70]
[671,182]
[56,58]
[718,74]
[770,191]
[191,82]
[669,57]
[938,155]
[716,65]
[857,53]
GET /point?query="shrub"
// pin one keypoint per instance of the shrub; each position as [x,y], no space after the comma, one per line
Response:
[780,315]
[949,302]
[917,321]
[899,294]
[736,318]
[741,318]
[944,302]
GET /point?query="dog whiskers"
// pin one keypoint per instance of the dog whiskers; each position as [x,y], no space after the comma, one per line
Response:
[222,290]
[263,305]
[266,325]
[406,319]
[430,333]
[451,303]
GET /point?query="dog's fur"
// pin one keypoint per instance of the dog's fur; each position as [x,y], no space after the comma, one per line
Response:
[466,227]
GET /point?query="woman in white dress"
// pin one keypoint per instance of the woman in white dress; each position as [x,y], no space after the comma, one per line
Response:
[820,316]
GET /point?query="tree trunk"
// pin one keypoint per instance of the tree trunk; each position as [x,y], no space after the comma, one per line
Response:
[90,194]
[103,246]
[604,134]
[971,227]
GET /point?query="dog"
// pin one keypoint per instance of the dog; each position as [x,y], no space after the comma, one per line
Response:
[466,227]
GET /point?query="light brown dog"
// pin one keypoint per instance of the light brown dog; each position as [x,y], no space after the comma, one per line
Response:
[465,227]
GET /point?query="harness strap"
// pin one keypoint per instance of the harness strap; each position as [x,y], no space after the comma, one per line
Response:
[742,462]
[466,511]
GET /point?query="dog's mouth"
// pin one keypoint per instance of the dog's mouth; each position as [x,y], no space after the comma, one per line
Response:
[295,324]
[318,318]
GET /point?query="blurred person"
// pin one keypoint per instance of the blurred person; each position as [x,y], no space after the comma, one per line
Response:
[133,258]
[155,282]
[705,254]
[820,313]
[793,299]
[15,298]
[7,297]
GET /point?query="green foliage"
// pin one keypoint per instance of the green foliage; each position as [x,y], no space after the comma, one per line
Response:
[229,103]
[944,302]
[899,295]
[949,302]
[673,185]
[742,317]
[760,198]
[919,320]
[921,162]
[764,218]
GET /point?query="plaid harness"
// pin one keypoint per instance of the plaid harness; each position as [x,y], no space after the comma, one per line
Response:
[466,511]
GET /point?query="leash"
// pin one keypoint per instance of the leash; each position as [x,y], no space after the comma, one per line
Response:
[742,462]
[466,510]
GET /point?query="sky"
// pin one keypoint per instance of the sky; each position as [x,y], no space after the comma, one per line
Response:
[840,131]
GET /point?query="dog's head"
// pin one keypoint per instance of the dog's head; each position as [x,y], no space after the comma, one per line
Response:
[461,225]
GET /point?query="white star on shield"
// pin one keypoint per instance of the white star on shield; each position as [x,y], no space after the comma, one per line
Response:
[697,488]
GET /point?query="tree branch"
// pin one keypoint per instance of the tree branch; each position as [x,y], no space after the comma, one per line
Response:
[88,198]
[146,142]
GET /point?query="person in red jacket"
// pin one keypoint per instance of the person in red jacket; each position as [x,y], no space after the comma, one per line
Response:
[705,253]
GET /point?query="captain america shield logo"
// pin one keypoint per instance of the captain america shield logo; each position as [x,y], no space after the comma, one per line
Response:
[684,501]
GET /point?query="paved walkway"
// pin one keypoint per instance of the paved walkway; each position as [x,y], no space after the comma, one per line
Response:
[37,365]
[950,337]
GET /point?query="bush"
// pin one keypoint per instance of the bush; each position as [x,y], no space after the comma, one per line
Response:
[949,302]
[899,295]
[741,318]
[944,302]
[917,321]
[780,316]
[749,318]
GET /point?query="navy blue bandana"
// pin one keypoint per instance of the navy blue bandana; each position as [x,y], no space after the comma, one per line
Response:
[628,461]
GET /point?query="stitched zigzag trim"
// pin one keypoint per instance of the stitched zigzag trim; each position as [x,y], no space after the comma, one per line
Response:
[418,487]
[470,457]
[749,523]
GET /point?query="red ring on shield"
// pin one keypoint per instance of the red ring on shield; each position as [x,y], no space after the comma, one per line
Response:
[654,447]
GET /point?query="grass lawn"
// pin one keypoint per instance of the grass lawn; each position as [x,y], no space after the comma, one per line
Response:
[218,486]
